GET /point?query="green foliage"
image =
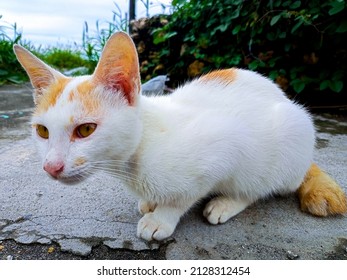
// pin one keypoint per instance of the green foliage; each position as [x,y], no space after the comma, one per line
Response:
[299,44]
[10,70]
[93,43]
[62,58]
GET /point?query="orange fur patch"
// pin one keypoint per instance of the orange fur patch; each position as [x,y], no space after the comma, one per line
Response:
[50,96]
[86,92]
[79,161]
[226,76]
[320,195]
[86,86]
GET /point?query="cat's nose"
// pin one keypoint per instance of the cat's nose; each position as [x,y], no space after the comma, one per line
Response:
[54,168]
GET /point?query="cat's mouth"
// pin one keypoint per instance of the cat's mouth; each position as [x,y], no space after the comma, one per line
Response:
[72,178]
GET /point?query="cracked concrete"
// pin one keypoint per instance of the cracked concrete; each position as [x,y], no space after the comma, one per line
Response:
[37,209]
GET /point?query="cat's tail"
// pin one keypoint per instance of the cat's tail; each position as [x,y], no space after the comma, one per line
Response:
[320,195]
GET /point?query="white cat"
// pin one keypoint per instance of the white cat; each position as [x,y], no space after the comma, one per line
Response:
[231,133]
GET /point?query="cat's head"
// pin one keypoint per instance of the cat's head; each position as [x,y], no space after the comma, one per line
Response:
[84,123]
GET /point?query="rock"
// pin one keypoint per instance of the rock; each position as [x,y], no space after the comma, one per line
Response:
[155,86]
[76,71]
[291,255]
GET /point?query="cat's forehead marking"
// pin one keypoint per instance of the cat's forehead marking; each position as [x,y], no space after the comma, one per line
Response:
[226,76]
[84,92]
[49,97]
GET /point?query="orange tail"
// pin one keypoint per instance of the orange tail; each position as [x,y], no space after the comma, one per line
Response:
[320,195]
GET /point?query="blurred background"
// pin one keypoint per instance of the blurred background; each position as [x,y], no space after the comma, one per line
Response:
[298,44]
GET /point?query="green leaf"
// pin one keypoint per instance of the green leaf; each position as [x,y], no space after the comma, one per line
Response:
[342,27]
[296,26]
[295,5]
[15,79]
[336,7]
[324,84]
[282,35]
[272,61]
[235,14]
[276,3]
[236,29]
[287,47]
[3,72]
[336,86]
[298,85]
[275,19]
[286,3]
[162,37]
[235,60]
[253,65]
[273,74]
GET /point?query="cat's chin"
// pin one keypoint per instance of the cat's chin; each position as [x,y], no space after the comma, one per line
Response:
[72,180]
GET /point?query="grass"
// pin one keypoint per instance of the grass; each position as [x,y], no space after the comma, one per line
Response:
[10,70]
[63,58]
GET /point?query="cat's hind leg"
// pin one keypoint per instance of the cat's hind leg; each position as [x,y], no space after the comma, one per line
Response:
[222,208]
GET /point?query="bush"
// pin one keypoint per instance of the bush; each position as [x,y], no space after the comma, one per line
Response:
[62,58]
[58,57]
[152,56]
[299,44]
[10,69]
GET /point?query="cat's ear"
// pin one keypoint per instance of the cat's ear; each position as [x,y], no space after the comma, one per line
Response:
[118,68]
[41,75]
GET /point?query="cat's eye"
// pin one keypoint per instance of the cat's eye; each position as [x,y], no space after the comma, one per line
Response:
[42,131]
[84,130]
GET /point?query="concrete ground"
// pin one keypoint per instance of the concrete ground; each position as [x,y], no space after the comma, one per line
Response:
[43,219]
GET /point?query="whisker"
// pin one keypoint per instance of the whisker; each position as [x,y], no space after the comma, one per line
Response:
[124,178]
[114,170]
[120,174]
[115,161]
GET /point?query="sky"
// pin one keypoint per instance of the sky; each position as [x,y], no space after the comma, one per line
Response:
[47,22]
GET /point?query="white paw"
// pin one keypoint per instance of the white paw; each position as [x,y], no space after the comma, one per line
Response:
[150,228]
[221,209]
[146,206]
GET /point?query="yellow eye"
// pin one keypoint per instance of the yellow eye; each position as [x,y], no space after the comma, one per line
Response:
[84,130]
[42,131]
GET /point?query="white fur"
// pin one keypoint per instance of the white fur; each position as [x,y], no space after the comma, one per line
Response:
[240,141]
[243,141]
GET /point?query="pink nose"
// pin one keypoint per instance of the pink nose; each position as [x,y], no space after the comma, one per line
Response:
[54,169]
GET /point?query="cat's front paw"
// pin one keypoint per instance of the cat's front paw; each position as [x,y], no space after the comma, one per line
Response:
[151,228]
[146,206]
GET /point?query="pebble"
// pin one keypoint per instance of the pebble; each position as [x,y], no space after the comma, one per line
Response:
[292,256]
[9,257]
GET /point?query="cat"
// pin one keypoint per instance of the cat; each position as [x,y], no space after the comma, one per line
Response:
[231,135]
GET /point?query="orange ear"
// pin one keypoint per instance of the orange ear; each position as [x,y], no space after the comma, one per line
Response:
[40,74]
[118,68]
